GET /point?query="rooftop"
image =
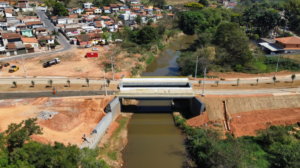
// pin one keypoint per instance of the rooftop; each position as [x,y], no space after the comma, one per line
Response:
[271,47]
[29,40]
[11,35]
[288,40]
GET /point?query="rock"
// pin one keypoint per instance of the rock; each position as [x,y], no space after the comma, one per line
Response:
[45,115]
[296,128]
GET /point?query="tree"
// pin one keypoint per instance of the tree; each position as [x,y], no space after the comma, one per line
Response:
[108,82]
[147,34]
[233,44]
[105,36]
[50,82]
[21,10]
[158,3]
[150,21]
[50,3]
[138,19]
[204,2]
[199,81]
[14,83]
[257,81]
[17,134]
[274,79]
[293,77]
[194,6]
[217,82]
[191,20]
[54,33]
[32,83]
[60,10]
[238,81]
[69,82]
[87,81]
[248,15]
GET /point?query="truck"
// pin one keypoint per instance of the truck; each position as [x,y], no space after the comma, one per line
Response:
[91,54]
[13,68]
[50,63]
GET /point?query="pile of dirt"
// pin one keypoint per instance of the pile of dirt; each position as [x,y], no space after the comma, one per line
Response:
[248,123]
[199,120]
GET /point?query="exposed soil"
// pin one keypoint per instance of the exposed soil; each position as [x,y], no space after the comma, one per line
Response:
[59,87]
[248,123]
[199,120]
[74,64]
[76,116]
[282,84]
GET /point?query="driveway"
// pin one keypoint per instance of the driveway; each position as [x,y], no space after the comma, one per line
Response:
[61,39]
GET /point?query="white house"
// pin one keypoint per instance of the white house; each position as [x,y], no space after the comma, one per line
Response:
[106,9]
[4,4]
[97,11]
[8,12]
[88,5]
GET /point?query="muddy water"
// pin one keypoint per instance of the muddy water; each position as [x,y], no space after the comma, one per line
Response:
[153,139]
[165,64]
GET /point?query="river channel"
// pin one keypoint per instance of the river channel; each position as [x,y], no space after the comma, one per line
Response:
[165,64]
[153,139]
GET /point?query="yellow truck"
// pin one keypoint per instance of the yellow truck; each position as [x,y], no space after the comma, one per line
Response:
[13,68]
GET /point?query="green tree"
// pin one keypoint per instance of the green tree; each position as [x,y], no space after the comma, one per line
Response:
[60,10]
[274,79]
[158,3]
[293,77]
[204,2]
[14,83]
[138,19]
[191,20]
[50,82]
[150,21]
[238,81]
[217,82]
[50,3]
[199,81]
[32,83]
[108,82]
[105,36]
[248,15]
[147,34]
[87,81]
[69,82]
[257,81]
[54,33]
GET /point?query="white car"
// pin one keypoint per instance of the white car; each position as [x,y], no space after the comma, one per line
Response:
[88,46]
[95,49]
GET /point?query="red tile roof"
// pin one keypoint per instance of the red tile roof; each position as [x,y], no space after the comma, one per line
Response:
[29,40]
[288,40]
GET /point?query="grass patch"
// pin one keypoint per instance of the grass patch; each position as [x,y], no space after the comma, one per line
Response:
[260,66]
[150,58]
[122,124]
[113,155]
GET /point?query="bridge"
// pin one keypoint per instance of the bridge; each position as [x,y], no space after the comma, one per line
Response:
[155,87]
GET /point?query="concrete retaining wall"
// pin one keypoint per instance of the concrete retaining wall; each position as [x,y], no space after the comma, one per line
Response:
[113,109]
[197,106]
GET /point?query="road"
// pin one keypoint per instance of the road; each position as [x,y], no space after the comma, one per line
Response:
[61,39]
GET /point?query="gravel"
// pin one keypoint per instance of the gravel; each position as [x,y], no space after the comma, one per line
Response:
[45,115]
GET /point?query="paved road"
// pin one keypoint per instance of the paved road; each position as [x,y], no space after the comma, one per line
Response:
[61,39]
[284,91]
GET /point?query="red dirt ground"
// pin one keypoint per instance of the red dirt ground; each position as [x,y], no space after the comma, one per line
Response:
[248,123]
[199,120]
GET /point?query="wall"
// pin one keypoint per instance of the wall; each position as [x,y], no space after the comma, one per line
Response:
[113,109]
[197,106]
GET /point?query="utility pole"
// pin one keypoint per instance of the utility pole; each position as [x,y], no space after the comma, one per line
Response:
[196,69]
[24,68]
[104,82]
[112,68]
[203,95]
[277,65]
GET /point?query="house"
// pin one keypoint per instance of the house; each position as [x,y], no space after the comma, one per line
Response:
[170,15]
[32,41]
[71,32]
[280,45]
[34,24]
[106,9]
[135,6]
[10,38]
[65,20]
[114,8]
[134,1]
[3,24]
[29,18]
[122,6]
[128,16]
[4,4]
[16,48]
[97,11]
[29,48]
[23,3]
[77,10]
[27,32]
[105,18]
[167,7]
[149,6]
[83,39]
[2,13]
[43,31]
[88,5]
[159,16]
[45,39]
[89,11]
[8,12]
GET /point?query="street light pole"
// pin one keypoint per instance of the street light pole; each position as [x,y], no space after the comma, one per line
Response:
[24,67]
[277,65]
[112,68]
[196,69]
[203,95]
[104,82]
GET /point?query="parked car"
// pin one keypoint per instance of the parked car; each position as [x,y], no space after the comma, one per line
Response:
[95,49]
[13,68]
[4,64]
[53,62]
[88,46]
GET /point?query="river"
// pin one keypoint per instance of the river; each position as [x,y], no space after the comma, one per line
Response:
[153,139]
[165,64]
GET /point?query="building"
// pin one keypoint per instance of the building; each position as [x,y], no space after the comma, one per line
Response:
[34,24]
[281,45]
[77,10]
[88,5]
[16,48]
[106,9]
[32,41]
[10,38]
[43,40]
[43,31]
[8,12]
[114,8]
[4,4]
[97,11]
[23,3]
[27,32]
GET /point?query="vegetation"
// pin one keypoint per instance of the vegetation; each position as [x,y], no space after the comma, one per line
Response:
[199,81]
[18,150]
[108,82]
[87,81]
[60,10]
[14,83]
[293,77]
[50,82]
[273,147]
[69,82]
[32,83]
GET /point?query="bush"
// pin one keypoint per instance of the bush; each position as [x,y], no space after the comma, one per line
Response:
[256,36]
[113,155]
